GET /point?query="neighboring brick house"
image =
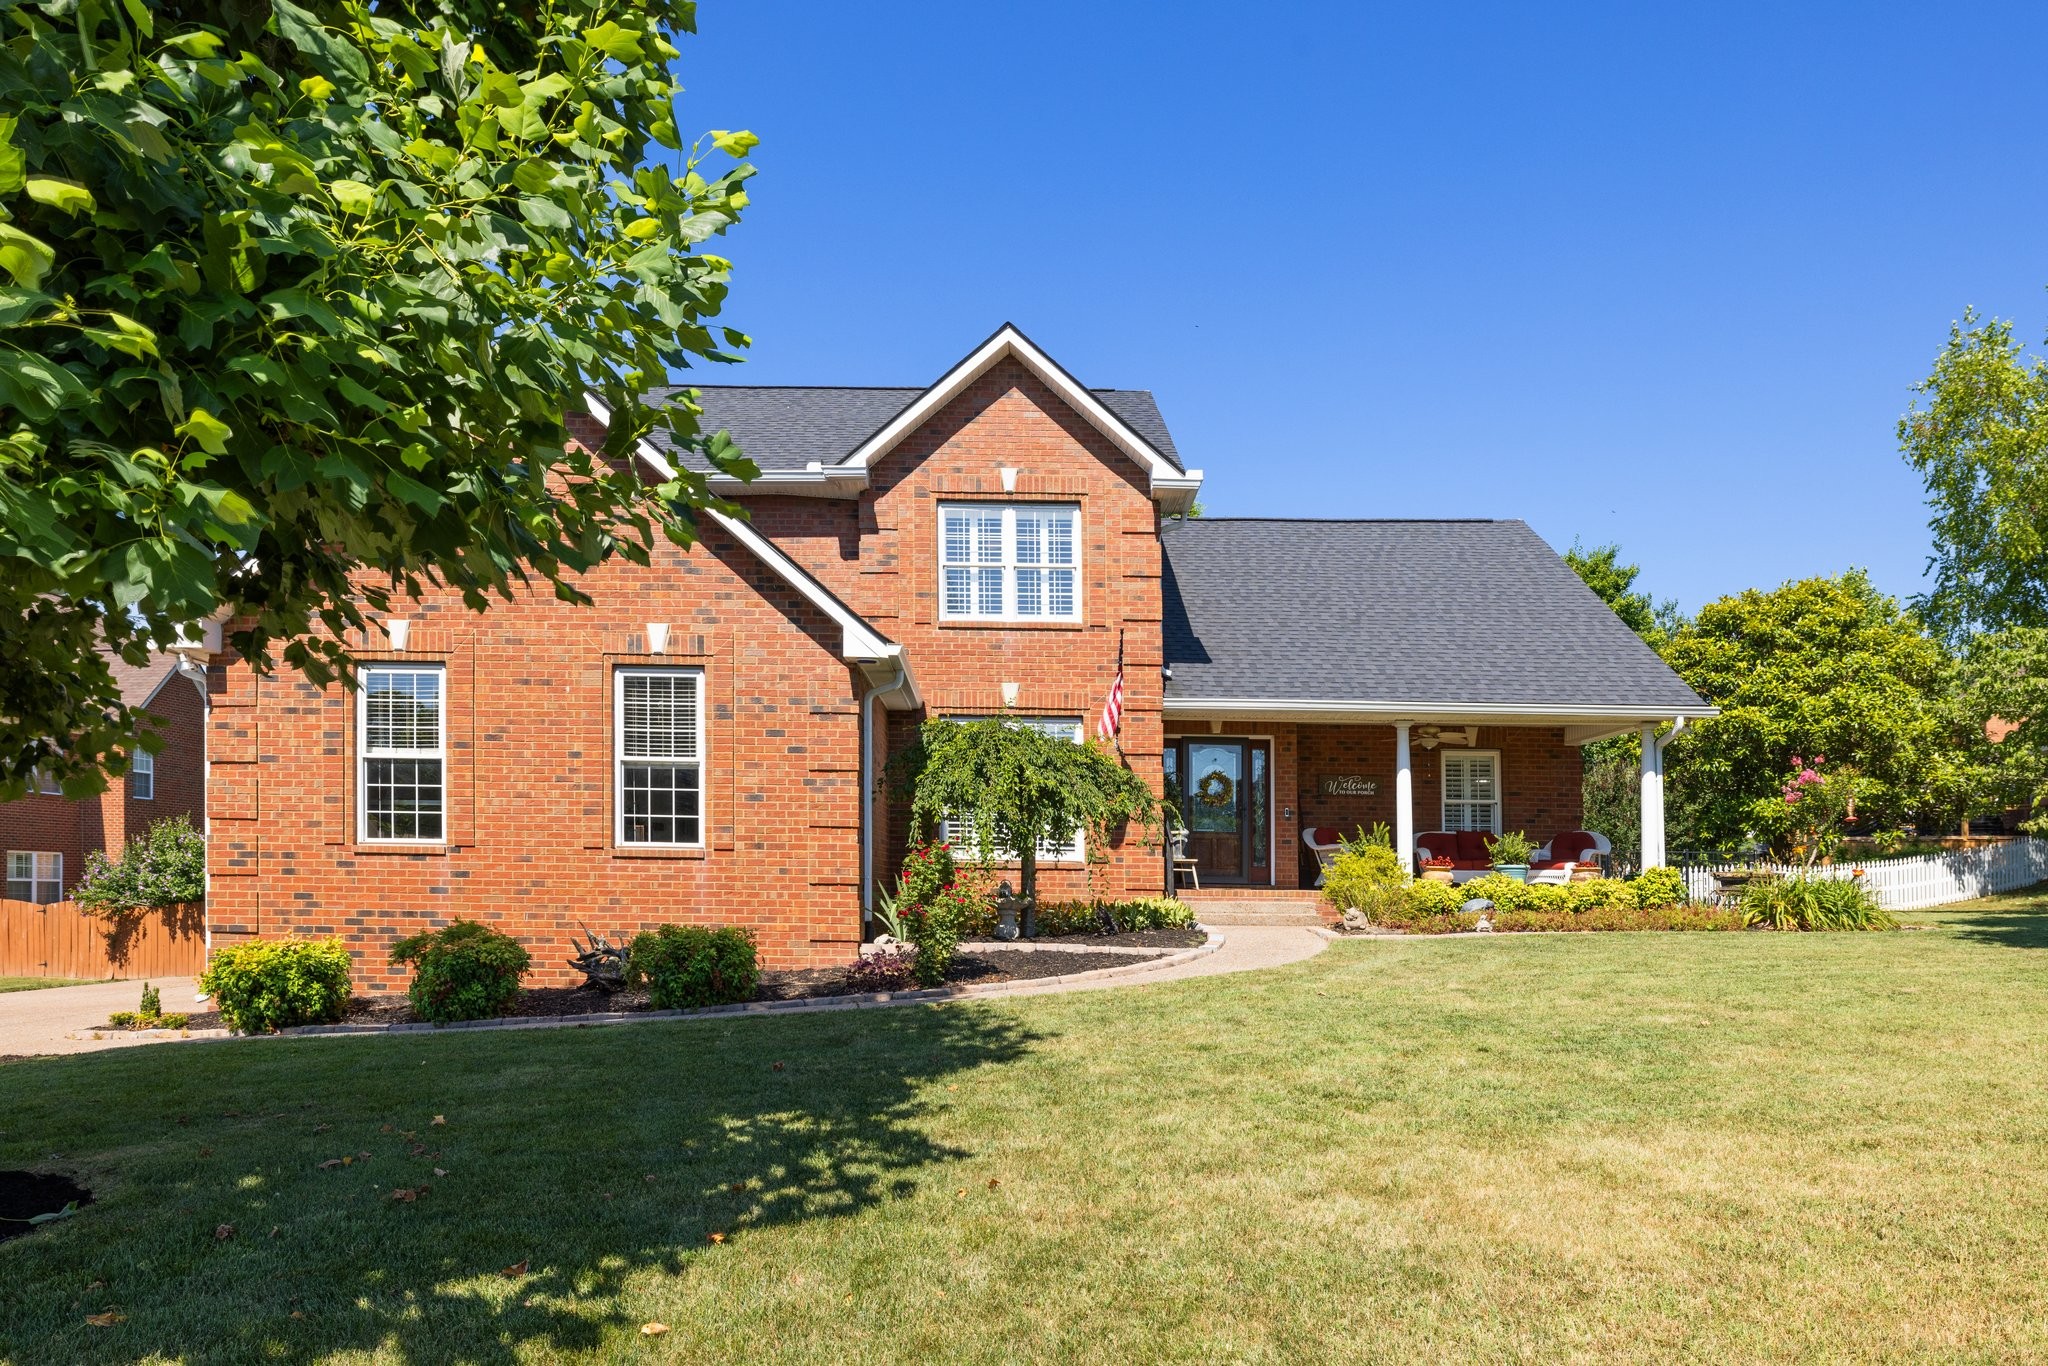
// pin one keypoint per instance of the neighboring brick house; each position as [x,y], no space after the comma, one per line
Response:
[705,743]
[46,836]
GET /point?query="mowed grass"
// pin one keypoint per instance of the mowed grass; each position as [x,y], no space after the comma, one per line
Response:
[37,983]
[1710,1147]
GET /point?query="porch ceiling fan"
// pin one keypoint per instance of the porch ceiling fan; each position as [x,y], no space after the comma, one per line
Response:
[1429,737]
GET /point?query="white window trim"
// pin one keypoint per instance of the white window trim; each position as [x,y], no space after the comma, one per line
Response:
[36,867]
[619,760]
[1009,563]
[364,754]
[1443,801]
[142,764]
[1076,852]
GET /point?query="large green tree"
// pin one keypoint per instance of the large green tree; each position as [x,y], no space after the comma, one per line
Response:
[1817,667]
[1979,438]
[295,298]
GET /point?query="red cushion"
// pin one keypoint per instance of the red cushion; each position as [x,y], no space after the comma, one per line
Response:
[1573,846]
[1440,843]
[1472,846]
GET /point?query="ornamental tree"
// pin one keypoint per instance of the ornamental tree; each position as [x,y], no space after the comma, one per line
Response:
[1014,790]
[295,296]
[1827,666]
[1980,443]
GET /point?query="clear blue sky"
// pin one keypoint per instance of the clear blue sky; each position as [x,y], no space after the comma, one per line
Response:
[1655,274]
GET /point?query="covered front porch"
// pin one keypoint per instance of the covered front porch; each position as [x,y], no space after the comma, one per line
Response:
[1247,783]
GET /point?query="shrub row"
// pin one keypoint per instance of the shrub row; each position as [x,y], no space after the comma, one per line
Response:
[1127,915]
[1691,916]
[463,971]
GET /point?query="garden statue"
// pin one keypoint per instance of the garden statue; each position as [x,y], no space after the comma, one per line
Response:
[1484,908]
[1008,904]
[602,963]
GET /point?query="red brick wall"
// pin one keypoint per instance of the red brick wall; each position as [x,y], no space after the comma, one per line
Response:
[880,554]
[529,778]
[51,824]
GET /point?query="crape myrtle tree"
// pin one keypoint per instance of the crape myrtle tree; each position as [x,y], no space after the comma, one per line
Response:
[1012,789]
[295,296]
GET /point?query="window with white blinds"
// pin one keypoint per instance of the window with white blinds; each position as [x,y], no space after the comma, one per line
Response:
[1472,792]
[960,832]
[142,776]
[36,877]
[1009,562]
[402,744]
[659,723]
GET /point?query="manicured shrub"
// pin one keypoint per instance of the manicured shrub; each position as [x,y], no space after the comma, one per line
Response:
[1124,916]
[881,972]
[1660,887]
[265,985]
[165,865]
[1426,898]
[684,966]
[1687,916]
[1508,893]
[1367,877]
[465,971]
[1602,893]
[1814,904]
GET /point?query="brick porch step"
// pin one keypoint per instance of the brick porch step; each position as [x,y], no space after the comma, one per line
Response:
[1261,906]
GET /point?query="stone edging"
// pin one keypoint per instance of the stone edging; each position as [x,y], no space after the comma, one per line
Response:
[803,1006]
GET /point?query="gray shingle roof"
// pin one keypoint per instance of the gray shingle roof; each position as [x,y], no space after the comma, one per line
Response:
[788,427]
[1454,612]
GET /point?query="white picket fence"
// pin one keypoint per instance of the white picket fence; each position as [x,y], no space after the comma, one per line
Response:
[1908,884]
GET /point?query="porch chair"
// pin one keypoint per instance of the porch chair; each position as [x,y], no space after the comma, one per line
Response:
[1554,862]
[1182,861]
[1325,844]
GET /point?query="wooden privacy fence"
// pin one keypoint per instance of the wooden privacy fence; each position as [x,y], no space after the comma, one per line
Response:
[63,939]
[1911,884]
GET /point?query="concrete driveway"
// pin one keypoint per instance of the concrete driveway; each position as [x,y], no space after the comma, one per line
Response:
[73,1019]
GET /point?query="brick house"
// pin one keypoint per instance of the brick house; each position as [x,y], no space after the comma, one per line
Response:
[45,836]
[705,743]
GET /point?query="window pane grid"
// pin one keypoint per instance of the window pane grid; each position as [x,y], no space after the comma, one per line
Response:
[1009,563]
[1471,792]
[404,774]
[34,876]
[660,780]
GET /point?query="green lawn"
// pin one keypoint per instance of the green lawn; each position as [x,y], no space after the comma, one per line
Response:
[37,983]
[1652,1146]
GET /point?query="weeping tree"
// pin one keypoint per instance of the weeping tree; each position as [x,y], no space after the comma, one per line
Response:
[297,300]
[1012,789]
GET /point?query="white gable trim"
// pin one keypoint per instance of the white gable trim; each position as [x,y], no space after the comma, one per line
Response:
[1010,344]
[859,643]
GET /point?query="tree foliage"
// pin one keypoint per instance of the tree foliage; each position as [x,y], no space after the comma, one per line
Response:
[1980,443]
[1615,584]
[1611,790]
[1824,666]
[295,296]
[165,865]
[1015,789]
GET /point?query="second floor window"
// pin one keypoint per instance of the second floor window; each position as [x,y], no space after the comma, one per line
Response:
[659,726]
[1009,562]
[142,776]
[403,744]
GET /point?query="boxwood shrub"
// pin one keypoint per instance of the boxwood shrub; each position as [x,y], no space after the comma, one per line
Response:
[464,971]
[684,966]
[265,985]
[1127,914]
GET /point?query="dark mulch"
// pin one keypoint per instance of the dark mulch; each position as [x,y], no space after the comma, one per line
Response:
[24,1195]
[1134,939]
[789,984]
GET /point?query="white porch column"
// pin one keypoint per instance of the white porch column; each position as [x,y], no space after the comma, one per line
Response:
[1653,799]
[1404,798]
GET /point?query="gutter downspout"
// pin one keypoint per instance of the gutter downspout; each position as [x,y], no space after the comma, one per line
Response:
[195,673]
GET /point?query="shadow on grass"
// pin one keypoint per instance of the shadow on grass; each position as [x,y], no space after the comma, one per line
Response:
[2018,928]
[590,1156]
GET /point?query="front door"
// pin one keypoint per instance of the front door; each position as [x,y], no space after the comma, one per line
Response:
[1223,790]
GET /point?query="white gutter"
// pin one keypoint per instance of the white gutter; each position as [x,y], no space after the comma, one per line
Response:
[1409,710]
[1664,740]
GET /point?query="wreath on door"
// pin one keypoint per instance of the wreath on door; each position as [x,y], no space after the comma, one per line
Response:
[1215,789]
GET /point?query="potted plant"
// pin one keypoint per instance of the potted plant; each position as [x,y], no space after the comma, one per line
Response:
[1510,854]
[1438,869]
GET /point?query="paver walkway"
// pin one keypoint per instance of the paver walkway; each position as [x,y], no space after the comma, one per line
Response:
[66,1019]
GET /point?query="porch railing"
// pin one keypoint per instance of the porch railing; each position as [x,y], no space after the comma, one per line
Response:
[1909,884]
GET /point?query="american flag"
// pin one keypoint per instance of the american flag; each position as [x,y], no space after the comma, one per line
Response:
[1113,709]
